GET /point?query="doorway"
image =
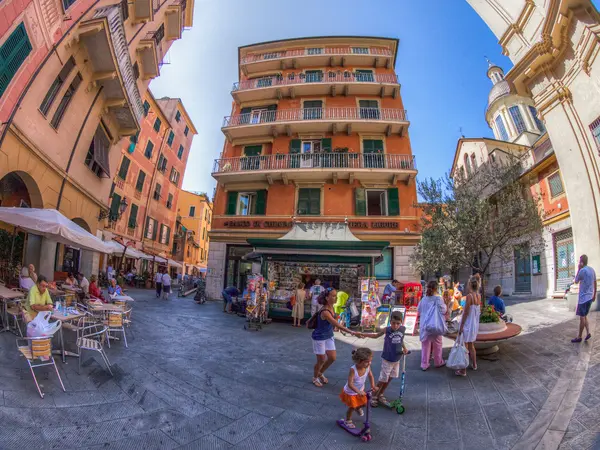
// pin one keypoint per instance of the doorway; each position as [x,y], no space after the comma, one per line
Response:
[522,269]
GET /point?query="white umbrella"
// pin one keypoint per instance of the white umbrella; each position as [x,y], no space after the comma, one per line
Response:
[53,225]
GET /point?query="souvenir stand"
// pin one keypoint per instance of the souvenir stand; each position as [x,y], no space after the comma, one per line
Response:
[369,296]
[256,298]
[412,294]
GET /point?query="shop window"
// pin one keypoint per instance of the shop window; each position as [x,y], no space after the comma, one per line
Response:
[192,211]
[517,117]
[139,186]
[14,51]
[309,202]
[384,269]
[56,86]
[555,184]
[65,101]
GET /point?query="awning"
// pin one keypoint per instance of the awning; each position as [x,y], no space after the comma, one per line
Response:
[53,225]
[175,264]
[117,249]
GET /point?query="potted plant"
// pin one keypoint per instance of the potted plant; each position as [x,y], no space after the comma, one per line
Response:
[490,321]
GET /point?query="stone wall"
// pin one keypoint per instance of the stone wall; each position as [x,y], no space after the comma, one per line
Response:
[216,269]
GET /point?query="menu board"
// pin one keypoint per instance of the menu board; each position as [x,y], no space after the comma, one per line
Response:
[410,321]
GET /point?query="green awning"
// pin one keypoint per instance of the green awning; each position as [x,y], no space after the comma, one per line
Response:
[319,245]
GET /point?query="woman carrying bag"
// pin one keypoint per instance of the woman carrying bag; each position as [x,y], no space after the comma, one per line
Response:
[432,326]
[469,325]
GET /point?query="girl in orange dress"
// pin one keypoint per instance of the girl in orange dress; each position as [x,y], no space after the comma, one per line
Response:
[353,394]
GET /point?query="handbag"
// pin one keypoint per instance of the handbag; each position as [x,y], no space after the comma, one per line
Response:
[311,323]
[436,323]
[459,355]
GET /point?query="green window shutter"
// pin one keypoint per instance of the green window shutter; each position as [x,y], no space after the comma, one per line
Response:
[124,168]
[252,150]
[133,216]
[13,53]
[393,202]
[178,116]
[378,146]
[261,202]
[157,124]
[147,226]
[368,146]
[326,145]
[170,139]
[168,234]
[155,230]
[140,181]
[295,145]
[231,203]
[360,200]
[146,107]
[309,202]
[180,152]
[114,206]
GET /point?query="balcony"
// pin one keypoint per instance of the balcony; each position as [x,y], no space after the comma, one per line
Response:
[142,11]
[367,167]
[148,56]
[263,122]
[108,55]
[315,57]
[316,84]
[174,20]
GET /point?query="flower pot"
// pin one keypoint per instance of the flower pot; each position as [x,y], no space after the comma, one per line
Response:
[492,327]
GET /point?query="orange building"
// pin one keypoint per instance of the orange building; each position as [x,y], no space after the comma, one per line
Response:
[147,184]
[195,215]
[317,173]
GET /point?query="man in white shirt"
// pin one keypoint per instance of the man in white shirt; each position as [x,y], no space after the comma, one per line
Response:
[158,282]
[586,277]
[315,291]
[166,285]
[84,284]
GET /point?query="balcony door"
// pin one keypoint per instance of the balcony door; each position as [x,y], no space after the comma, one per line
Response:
[310,154]
[365,76]
[369,109]
[258,115]
[313,76]
[251,160]
[373,154]
[312,110]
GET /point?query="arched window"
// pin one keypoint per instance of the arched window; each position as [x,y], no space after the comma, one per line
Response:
[538,122]
[473,161]
[467,164]
[501,128]
[517,118]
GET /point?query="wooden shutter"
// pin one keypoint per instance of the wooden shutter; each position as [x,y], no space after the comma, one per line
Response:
[326,145]
[393,202]
[13,53]
[295,145]
[168,234]
[231,203]
[147,226]
[360,200]
[252,150]
[378,146]
[114,206]
[124,168]
[261,202]
[368,146]
[154,229]
[315,202]
[133,216]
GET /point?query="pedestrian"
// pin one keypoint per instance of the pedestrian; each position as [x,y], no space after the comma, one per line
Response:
[322,336]
[353,393]
[158,282]
[228,294]
[166,285]
[298,308]
[314,292]
[469,324]
[586,277]
[497,302]
[393,349]
[389,292]
[431,343]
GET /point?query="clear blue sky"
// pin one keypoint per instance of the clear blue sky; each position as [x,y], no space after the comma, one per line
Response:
[440,65]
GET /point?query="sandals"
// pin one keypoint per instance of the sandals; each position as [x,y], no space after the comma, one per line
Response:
[317,382]
[349,424]
[374,402]
[360,412]
[322,379]
[460,373]
[384,401]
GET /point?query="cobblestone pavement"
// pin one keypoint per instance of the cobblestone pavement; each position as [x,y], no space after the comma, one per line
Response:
[193,378]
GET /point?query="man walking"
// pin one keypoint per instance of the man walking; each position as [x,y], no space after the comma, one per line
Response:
[586,277]
[158,282]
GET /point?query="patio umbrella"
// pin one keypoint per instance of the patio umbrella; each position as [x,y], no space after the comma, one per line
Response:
[117,249]
[52,225]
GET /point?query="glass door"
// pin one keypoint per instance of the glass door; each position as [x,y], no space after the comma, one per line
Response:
[256,115]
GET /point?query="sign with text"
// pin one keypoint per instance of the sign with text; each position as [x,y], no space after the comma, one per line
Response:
[257,224]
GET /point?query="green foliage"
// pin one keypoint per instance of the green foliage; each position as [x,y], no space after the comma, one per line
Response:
[6,239]
[489,315]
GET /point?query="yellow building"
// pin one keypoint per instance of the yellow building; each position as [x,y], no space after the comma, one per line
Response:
[195,214]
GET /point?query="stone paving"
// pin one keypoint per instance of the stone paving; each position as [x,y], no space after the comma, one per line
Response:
[193,378]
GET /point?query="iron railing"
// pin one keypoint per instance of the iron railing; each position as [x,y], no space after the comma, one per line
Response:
[325,114]
[331,51]
[315,160]
[315,78]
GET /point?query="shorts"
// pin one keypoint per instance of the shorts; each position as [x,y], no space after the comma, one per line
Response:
[320,347]
[389,370]
[583,309]
[227,298]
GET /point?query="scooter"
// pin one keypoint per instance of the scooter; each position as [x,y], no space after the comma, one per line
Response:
[365,433]
[397,404]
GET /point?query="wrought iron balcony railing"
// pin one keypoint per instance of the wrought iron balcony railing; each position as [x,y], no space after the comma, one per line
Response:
[334,160]
[323,114]
[331,51]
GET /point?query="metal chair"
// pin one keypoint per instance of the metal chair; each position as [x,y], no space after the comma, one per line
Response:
[15,311]
[116,324]
[91,339]
[38,349]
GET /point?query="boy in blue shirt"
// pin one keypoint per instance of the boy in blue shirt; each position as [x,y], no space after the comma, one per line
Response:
[497,302]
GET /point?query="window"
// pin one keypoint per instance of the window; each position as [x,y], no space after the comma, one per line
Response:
[360,50]
[124,168]
[149,149]
[157,190]
[113,213]
[364,75]
[369,109]
[314,51]
[291,76]
[264,82]
[65,101]
[312,109]
[174,176]
[136,67]
[56,85]
[501,129]
[67,4]
[555,184]
[133,140]
[180,152]
[157,124]
[139,186]
[313,76]
[133,216]
[246,205]
[376,202]
[165,233]
[170,201]
[187,130]
[177,116]
[373,153]
[309,202]
[467,163]
[515,114]
[97,156]
[384,268]
[146,108]
[192,211]
[162,163]
[112,190]
[170,139]
[538,122]
[159,34]
[473,162]
[13,52]
[272,55]
[150,228]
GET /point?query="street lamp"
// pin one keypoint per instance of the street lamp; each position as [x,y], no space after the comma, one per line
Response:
[123,206]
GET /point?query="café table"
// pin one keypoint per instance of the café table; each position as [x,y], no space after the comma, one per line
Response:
[104,307]
[7,294]
[60,316]
[121,298]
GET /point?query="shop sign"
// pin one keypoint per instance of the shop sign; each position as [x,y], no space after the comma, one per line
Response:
[383,225]
[258,224]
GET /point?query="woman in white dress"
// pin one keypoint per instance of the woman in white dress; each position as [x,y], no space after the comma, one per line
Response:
[469,325]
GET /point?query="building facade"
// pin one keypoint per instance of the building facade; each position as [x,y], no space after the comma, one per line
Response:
[147,184]
[543,269]
[554,47]
[195,214]
[317,172]
[73,78]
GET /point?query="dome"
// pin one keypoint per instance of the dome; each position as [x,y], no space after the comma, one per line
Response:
[500,89]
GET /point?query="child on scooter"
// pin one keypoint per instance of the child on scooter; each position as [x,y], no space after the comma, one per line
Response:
[393,349]
[353,394]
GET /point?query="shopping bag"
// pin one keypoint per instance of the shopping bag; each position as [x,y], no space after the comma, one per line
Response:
[435,322]
[459,356]
[353,310]
[41,326]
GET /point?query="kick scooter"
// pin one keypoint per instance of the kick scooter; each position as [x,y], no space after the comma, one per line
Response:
[365,433]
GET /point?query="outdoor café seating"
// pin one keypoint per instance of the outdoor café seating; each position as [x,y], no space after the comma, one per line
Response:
[91,339]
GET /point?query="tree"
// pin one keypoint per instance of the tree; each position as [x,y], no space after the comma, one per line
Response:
[475,221]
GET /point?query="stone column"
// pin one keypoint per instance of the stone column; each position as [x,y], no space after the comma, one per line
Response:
[215,278]
[47,258]
[527,117]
